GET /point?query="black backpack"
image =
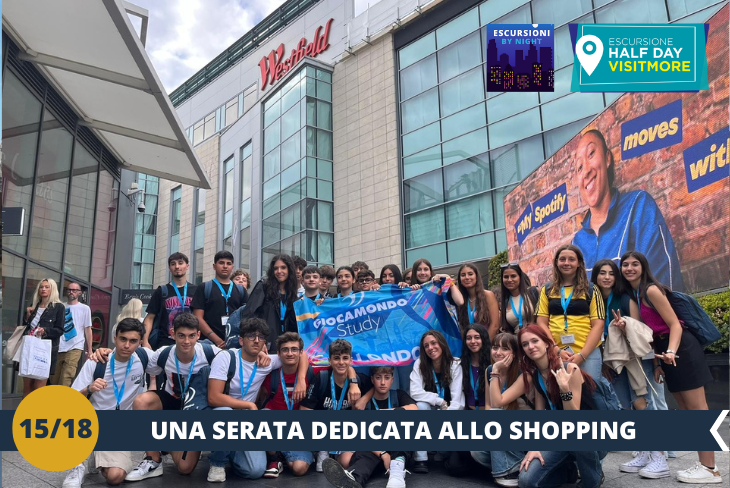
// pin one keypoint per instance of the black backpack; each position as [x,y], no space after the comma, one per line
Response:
[165,354]
[209,287]
[196,397]
[689,311]
[274,384]
[154,337]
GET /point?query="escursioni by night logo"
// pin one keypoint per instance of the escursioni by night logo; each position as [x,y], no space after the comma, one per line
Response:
[520,58]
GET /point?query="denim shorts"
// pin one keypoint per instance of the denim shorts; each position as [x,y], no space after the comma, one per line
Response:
[292,456]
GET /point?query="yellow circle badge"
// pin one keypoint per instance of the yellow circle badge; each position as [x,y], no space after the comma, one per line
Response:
[55,428]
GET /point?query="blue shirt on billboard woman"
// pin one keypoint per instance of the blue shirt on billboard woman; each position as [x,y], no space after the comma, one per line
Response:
[618,222]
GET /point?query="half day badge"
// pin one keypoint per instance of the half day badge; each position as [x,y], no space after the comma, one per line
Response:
[639,57]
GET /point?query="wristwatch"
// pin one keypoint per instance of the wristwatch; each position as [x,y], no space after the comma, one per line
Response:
[382,453]
[355,380]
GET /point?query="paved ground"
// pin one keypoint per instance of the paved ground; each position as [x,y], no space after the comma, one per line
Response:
[16,472]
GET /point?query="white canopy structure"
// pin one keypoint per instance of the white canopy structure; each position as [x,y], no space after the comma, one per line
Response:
[90,52]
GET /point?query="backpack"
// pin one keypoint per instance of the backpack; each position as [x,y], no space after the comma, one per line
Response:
[100,368]
[393,397]
[157,323]
[233,327]
[196,397]
[165,354]
[274,384]
[695,318]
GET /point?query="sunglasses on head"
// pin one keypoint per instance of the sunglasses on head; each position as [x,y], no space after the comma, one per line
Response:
[508,265]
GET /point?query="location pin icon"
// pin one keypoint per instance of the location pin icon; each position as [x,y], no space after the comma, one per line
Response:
[589,50]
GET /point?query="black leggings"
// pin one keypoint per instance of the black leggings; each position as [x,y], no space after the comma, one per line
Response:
[364,463]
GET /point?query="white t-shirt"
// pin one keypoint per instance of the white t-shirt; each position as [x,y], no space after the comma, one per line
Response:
[219,371]
[105,399]
[172,385]
[81,317]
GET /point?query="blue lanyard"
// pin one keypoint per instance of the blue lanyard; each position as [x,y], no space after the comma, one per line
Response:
[518,315]
[608,314]
[119,394]
[240,375]
[289,406]
[338,404]
[190,374]
[637,294]
[565,302]
[226,296]
[282,312]
[184,298]
[474,387]
[375,404]
[544,388]
[472,313]
[439,388]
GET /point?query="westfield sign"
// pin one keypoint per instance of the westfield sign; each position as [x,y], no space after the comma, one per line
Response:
[274,66]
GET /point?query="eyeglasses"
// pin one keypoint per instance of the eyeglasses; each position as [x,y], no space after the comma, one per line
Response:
[365,280]
[75,290]
[255,337]
[287,350]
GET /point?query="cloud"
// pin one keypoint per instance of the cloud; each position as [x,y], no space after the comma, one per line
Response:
[185,35]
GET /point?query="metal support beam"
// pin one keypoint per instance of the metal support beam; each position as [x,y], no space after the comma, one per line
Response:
[134,134]
[143,14]
[86,70]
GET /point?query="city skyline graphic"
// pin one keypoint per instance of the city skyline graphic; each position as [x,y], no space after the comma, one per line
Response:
[520,57]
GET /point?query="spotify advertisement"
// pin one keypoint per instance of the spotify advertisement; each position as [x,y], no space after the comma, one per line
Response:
[661,161]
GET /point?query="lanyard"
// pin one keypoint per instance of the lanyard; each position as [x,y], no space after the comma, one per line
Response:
[565,302]
[637,294]
[544,388]
[289,406]
[472,313]
[240,375]
[282,312]
[190,374]
[474,387]
[439,388]
[338,404]
[608,314]
[119,394]
[184,298]
[220,287]
[375,404]
[514,311]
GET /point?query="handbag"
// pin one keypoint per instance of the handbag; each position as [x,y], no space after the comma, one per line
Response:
[12,345]
[35,358]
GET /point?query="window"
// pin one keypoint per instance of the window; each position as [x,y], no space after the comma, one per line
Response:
[145,231]
[228,204]
[231,111]
[175,215]
[209,126]
[246,182]
[199,235]
[80,228]
[250,95]
[297,171]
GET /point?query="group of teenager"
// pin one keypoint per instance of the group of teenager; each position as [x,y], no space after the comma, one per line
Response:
[523,348]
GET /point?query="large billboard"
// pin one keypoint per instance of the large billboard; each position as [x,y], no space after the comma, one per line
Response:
[650,173]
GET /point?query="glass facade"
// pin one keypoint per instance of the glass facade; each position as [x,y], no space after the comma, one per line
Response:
[223,116]
[463,148]
[298,214]
[52,169]
[175,219]
[145,231]
[246,182]
[228,175]
[199,237]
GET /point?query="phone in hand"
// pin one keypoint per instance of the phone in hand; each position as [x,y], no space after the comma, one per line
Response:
[569,349]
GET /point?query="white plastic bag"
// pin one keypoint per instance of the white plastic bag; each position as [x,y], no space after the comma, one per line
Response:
[35,358]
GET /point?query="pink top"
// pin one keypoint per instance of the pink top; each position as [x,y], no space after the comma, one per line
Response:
[655,321]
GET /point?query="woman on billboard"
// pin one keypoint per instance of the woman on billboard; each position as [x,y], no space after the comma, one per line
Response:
[617,222]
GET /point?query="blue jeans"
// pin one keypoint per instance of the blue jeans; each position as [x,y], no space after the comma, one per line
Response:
[423,455]
[246,464]
[555,471]
[501,463]
[593,363]
[292,456]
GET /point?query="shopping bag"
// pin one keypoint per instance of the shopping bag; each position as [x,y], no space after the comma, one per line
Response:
[12,346]
[35,358]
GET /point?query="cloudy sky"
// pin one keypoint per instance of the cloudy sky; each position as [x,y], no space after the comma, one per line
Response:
[184,35]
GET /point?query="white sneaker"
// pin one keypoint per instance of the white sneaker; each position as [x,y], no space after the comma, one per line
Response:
[216,474]
[321,456]
[699,474]
[641,459]
[147,468]
[657,468]
[397,472]
[75,477]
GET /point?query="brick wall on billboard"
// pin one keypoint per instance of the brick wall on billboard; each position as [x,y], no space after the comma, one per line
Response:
[698,221]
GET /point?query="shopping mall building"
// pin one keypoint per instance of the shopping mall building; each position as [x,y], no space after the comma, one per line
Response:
[83,111]
[344,130]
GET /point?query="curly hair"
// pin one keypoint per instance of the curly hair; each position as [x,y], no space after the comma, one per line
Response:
[581,284]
